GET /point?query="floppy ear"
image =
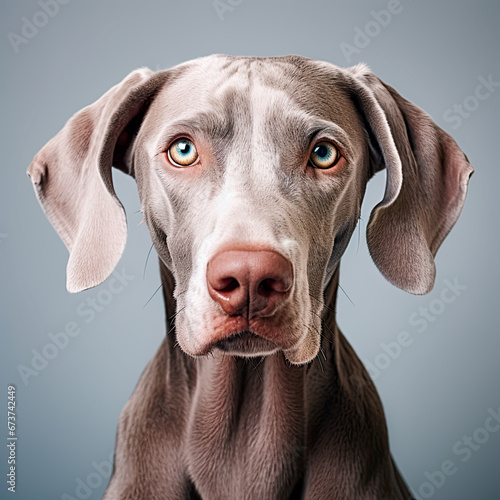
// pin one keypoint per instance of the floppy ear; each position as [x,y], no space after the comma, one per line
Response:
[427,177]
[72,177]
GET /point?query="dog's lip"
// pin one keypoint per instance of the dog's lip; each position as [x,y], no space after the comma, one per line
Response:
[245,342]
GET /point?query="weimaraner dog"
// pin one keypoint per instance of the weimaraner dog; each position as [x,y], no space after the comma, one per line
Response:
[251,172]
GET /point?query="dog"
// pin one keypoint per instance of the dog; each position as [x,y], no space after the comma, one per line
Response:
[251,172]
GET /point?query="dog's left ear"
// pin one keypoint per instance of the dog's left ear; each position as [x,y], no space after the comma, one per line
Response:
[427,177]
[72,177]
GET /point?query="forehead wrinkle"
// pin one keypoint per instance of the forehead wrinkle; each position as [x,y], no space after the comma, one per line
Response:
[203,93]
[301,128]
[235,77]
[319,89]
[211,125]
[264,151]
[280,123]
[233,99]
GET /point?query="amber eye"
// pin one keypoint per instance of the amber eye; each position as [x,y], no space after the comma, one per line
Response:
[324,155]
[182,153]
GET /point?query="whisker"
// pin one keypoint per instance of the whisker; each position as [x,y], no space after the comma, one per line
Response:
[320,363]
[318,316]
[328,329]
[147,258]
[326,338]
[175,315]
[152,296]
[256,366]
[347,296]
[359,233]
[322,352]
[321,335]
[323,325]
[324,305]
[258,373]
[171,321]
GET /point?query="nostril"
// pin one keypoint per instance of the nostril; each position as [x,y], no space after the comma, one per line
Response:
[227,285]
[269,286]
[265,288]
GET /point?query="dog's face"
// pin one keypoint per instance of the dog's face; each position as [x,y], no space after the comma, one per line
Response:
[252,182]
[251,174]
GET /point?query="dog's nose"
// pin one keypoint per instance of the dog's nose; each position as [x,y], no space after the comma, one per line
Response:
[251,283]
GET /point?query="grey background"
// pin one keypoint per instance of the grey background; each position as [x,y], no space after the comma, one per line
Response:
[438,390]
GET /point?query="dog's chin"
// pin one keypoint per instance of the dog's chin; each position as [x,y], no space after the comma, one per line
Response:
[249,344]
[304,353]
[246,344]
[235,337]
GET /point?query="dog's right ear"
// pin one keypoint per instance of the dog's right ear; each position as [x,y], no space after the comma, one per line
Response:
[427,178]
[72,177]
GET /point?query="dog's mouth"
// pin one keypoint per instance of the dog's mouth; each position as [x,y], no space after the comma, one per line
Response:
[239,336]
[246,343]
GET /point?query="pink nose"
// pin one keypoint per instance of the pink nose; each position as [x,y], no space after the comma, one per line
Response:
[251,283]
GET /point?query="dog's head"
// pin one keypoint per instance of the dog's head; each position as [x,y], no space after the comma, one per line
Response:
[251,174]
